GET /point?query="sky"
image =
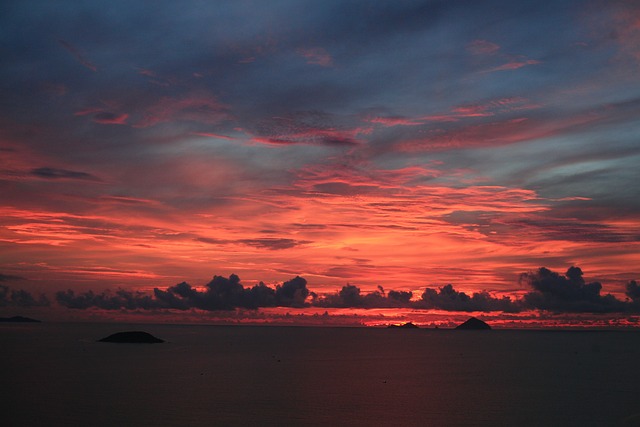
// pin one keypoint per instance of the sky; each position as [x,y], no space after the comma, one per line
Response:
[385,146]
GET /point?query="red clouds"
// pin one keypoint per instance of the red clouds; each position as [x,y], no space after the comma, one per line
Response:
[499,132]
[618,27]
[514,64]
[197,108]
[460,113]
[484,48]
[145,113]
[392,144]
[316,56]
[307,128]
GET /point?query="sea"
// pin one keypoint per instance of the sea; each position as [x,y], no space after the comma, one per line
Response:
[57,374]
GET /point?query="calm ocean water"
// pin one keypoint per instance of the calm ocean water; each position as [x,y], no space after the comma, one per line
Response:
[57,375]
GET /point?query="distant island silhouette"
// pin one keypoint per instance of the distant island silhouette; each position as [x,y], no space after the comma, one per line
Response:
[132,337]
[473,324]
[407,325]
[19,319]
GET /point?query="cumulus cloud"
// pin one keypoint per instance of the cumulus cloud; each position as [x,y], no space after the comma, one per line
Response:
[228,293]
[107,300]
[350,296]
[447,298]
[633,291]
[550,291]
[19,297]
[292,293]
[220,293]
[567,293]
[400,297]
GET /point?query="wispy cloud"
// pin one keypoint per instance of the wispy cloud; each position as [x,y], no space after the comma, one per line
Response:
[482,47]
[461,112]
[105,117]
[55,173]
[316,56]
[197,108]
[306,128]
[485,48]
[514,65]
[78,55]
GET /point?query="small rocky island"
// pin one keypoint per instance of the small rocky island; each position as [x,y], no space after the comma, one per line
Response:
[473,324]
[407,325]
[132,337]
[19,319]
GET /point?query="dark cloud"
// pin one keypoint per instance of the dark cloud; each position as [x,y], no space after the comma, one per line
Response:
[108,118]
[221,293]
[350,296]
[553,292]
[9,277]
[228,293]
[270,243]
[576,231]
[20,298]
[107,300]
[567,293]
[400,297]
[292,293]
[53,173]
[444,298]
[447,298]
[633,291]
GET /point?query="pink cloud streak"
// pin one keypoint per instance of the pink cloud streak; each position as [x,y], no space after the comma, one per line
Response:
[316,56]
[78,55]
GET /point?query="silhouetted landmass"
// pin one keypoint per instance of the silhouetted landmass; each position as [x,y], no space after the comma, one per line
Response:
[407,325]
[19,319]
[473,324]
[132,337]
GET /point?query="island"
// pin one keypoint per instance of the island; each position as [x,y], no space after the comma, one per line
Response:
[407,325]
[132,337]
[473,324]
[19,319]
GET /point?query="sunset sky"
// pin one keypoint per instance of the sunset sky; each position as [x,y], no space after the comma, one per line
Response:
[402,144]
